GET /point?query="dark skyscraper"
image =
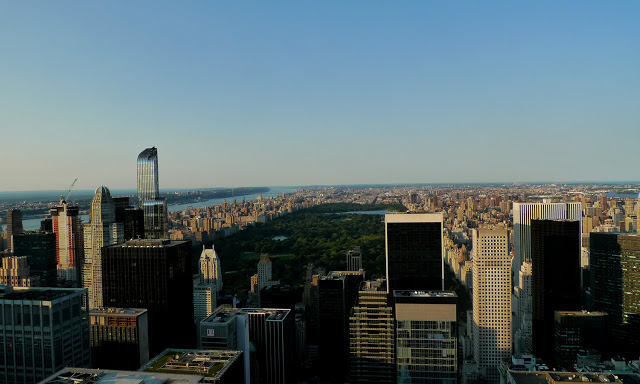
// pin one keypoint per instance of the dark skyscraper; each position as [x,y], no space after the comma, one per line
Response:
[615,286]
[337,294]
[154,207]
[555,257]
[156,275]
[40,250]
[14,226]
[414,251]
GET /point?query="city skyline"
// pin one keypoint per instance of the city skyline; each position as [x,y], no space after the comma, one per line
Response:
[491,92]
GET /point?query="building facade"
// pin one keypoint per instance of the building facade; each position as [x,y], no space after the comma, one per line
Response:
[40,250]
[42,331]
[615,286]
[16,273]
[414,251]
[67,226]
[156,223]
[426,336]
[371,336]
[119,338]
[354,259]
[100,232]
[491,301]
[555,278]
[156,275]
[14,226]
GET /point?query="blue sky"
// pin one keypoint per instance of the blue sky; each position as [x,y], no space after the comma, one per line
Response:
[297,93]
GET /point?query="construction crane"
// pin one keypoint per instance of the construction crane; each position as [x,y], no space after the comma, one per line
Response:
[70,188]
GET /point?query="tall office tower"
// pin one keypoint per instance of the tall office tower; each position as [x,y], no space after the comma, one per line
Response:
[14,226]
[131,218]
[210,271]
[156,275]
[491,301]
[44,330]
[337,294]
[279,296]
[523,213]
[371,336]
[100,232]
[414,251]
[205,301]
[154,207]
[119,338]
[615,286]
[40,250]
[16,273]
[272,333]
[354,259]
[426,336]
[67,226]
[555,278]
[578,330]
[264,277]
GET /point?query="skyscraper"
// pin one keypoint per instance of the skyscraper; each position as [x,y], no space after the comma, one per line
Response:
[414,251]
[555,278]
[156,275]
[426,337]
[43,330]
[615,286]
[14,226]
[523,213]
[154,207]
[67,226]
[371,336]
[337,294]
[354,259]
[491,301]
[119,338]
[40,250]
[210,271]
[100,232]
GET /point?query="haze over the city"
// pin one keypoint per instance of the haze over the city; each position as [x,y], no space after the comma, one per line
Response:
[308,93]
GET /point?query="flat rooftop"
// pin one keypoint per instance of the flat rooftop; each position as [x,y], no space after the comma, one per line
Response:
[39,293]
[207,363]
[118,312]
[581,313]
[105,376]
[147,243]
[409,293]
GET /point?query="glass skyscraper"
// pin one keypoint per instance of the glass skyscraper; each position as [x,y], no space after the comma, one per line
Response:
[154,207]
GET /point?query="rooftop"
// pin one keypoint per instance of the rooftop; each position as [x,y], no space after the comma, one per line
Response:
[424,294]
[123,312]
[38,293]
[148,243]
[101,376]
[208,363]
